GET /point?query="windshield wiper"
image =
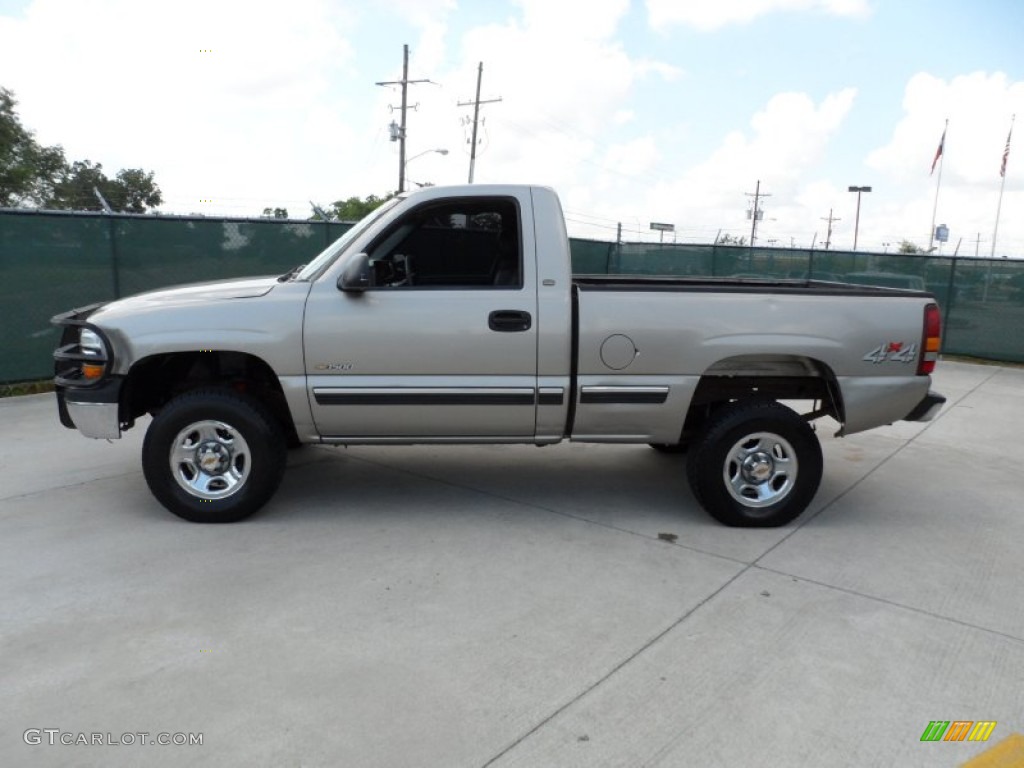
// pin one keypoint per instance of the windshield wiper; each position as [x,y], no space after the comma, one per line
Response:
[290,273]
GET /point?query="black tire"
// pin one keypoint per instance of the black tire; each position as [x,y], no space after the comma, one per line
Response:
[756,465]
[670,447]
[231,456]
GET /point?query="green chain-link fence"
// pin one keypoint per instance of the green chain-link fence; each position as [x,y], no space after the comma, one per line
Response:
[51,262]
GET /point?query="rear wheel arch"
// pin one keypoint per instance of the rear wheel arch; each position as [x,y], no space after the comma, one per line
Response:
[767,377]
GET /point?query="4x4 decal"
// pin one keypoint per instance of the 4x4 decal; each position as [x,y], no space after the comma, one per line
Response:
[892,352]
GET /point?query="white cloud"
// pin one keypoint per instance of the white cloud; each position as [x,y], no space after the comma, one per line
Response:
[787,141]
[708,15]
[632,158]
[979,107]
[786,146]
[195,91]
[558,93]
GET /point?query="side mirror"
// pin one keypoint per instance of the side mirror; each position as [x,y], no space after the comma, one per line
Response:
[355,278]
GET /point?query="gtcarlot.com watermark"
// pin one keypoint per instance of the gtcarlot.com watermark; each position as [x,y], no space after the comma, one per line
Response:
[55,736]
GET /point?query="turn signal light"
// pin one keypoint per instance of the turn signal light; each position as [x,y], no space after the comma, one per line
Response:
[92,371]
[931,341]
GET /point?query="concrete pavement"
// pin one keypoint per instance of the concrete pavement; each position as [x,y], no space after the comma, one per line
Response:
[515,606]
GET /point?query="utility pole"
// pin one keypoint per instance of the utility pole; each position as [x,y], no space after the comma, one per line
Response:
[476,117]
[398,132]
[830,219]
[756,213]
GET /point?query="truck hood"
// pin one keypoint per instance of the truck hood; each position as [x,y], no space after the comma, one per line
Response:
[218,290]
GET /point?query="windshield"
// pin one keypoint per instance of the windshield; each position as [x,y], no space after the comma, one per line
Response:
[331,251]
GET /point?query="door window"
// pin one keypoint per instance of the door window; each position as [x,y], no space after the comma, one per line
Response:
[471,244]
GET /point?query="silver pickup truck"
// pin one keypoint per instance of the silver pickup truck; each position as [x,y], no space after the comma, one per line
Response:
[450,315]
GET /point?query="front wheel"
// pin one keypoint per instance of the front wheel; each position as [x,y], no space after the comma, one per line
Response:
[757,464]
[212,456]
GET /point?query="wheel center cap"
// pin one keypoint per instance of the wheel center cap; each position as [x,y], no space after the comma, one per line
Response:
[758,467]
[212,458]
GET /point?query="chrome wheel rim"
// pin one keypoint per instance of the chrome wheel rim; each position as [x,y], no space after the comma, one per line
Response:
[760,470]
[210,460]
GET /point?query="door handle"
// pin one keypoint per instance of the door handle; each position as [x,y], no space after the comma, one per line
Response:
[509,321]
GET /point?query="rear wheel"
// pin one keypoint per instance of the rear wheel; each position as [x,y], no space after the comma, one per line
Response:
[757,464]
[212,456]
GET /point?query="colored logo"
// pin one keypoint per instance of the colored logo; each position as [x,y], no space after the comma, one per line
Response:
[958,730]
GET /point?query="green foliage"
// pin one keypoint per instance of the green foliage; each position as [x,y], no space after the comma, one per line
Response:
[131,191]
[908,247]
[33,175]
[28,171]
[275,213]
[354,208]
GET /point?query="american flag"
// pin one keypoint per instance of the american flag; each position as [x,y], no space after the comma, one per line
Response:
[938,152]
[1006,153]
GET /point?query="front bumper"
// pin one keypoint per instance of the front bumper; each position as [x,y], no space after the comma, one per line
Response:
[92,406]
[927,409]
[94,411]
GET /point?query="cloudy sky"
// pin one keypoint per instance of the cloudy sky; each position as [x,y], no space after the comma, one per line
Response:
[634,110]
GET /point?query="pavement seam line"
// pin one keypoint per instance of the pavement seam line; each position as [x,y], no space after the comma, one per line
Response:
[542,508]
[887,601]
[741,572]
[17,496]
[607,675]
[803,521]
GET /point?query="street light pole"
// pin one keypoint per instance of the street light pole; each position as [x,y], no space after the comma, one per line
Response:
[421,154]
[856,223]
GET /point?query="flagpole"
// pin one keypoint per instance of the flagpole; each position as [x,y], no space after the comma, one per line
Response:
[935,208]
[1002,186]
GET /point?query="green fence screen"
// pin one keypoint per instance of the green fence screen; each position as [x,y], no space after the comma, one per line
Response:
[51,262]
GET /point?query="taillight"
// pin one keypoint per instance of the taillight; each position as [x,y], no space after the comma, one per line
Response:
[931,340]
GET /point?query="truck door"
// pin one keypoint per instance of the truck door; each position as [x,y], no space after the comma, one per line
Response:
[443,343]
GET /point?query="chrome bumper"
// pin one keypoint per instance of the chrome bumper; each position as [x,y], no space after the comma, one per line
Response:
[99,420]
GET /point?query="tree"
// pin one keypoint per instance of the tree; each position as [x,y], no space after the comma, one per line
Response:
[34,175]
[275,213]
[728,239]
[74,190]
[131,191]
[908,247]
[354,208]
[28,171]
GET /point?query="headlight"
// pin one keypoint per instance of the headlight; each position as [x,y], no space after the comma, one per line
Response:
[92,346]
[90,342]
